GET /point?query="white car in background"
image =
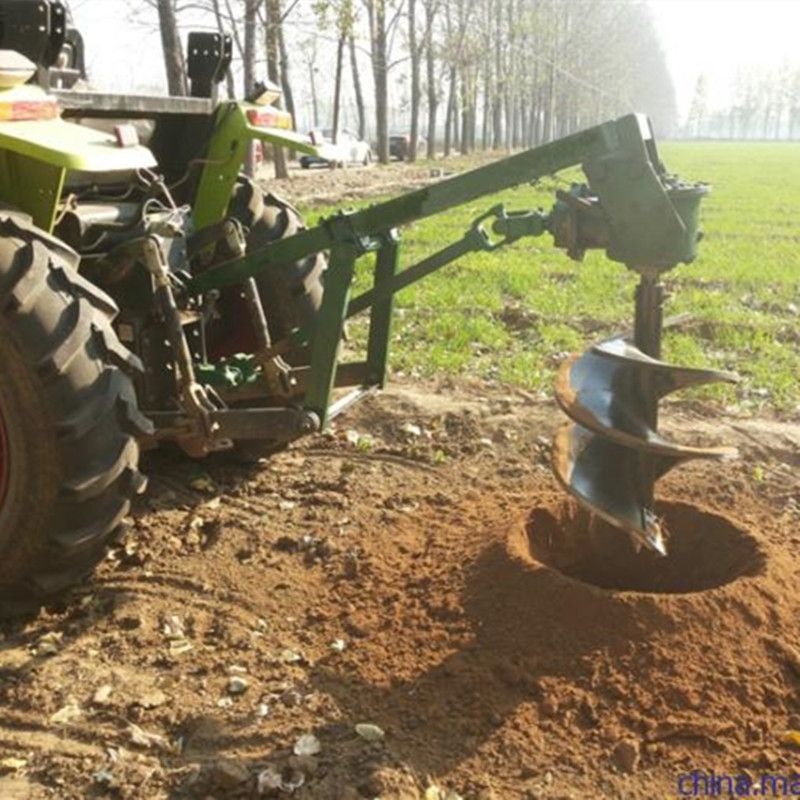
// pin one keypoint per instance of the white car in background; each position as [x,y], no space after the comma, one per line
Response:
[348,149]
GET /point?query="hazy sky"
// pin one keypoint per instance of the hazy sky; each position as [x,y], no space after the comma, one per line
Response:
[716,37]
[713,37]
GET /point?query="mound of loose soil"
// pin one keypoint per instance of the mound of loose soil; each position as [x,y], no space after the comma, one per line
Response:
[418,574]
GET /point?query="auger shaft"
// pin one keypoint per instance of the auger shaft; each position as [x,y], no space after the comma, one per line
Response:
[648,326]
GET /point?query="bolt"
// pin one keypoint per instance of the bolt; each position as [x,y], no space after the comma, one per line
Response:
[309,423]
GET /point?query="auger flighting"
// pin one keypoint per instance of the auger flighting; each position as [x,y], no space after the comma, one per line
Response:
[612,454]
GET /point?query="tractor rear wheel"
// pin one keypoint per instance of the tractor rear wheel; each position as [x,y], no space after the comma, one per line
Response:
[291,296]
[68,420]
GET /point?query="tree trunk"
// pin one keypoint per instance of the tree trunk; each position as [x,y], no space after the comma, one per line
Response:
[415,54]
[377,24]
[286,84]
[314,103]
[487,101]
[250,9]
[274,71]
[450,114]
[362,115]
[171,45]
[430,68]
[337,87]
[464,119]
[229,74]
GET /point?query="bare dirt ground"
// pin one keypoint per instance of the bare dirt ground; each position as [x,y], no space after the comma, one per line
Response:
[390,575]
[324,186]
[407,607]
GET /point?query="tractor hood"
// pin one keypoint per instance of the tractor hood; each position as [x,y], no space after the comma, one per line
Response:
[30,125]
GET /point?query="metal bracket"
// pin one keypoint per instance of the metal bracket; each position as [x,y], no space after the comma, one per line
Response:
[35,28]
[208,61]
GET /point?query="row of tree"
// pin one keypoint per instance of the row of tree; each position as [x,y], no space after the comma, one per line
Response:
[467,74]
[765,104]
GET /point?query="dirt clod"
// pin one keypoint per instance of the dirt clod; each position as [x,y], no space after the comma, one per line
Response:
[626,756]
[227,774]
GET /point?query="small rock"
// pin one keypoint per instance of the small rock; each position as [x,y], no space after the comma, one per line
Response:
[179,646]
[101,696]
[351,566]
[128,621]
[291,698]
[338,645]
[203,484]
[307,745]
[173,628]
[12,764]
[291,657]
[370,733]
[103,777]
[268,781]
[549,706]
[68,713]
[145,739]
[151,699]
[237,685]
[286,544]
[626,756]
[49,644]
[227,775]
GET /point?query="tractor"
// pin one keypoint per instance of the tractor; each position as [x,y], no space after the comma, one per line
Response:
[151,293]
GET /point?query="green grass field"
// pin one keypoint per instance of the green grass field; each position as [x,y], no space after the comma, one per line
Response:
[511,316]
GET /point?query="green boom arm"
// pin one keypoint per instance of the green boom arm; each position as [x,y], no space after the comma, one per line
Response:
[640,222]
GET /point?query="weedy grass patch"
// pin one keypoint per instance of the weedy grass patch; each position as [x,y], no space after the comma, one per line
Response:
[514,314]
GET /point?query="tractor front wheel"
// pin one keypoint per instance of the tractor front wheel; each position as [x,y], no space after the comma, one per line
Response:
[68,420]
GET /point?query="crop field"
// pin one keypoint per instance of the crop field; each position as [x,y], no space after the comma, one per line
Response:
[513,314]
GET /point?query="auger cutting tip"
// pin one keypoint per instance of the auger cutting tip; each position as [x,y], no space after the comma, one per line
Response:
[602,476]
[653,533]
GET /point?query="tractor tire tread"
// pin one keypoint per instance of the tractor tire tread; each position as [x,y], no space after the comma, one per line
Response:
[60,326]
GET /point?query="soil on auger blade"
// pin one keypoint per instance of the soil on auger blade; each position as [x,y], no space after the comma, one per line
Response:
[394,574]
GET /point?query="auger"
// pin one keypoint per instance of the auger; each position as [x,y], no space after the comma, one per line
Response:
[612,454]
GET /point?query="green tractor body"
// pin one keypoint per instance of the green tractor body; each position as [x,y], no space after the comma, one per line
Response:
[152,293]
